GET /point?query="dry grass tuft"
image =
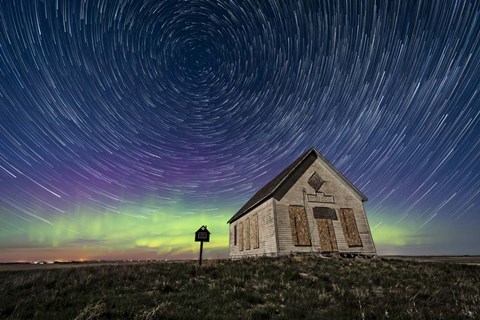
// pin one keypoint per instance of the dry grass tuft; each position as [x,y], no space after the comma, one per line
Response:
[285,288]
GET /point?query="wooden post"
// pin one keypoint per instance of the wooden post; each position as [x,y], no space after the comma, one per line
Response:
[201,251]
[202,235]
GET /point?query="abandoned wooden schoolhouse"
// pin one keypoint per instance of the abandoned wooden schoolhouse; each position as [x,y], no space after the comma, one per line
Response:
[310,207]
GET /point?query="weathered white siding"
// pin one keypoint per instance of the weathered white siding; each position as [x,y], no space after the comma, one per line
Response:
[266,232]
[344,197]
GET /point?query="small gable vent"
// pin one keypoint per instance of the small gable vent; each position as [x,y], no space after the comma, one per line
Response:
[315,182]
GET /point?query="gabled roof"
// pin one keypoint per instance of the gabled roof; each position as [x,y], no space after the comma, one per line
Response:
[267,191]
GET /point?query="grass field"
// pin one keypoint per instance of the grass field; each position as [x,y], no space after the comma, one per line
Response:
[284,288]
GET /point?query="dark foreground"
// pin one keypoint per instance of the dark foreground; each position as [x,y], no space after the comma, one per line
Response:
[287,288]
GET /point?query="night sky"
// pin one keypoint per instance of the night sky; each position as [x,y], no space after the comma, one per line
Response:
[126,125]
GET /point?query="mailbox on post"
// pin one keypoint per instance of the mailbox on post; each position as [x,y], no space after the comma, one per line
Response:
[202,235]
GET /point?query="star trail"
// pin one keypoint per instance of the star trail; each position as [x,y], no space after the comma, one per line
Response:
[126,125]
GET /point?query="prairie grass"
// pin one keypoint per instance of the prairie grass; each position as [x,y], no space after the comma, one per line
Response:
[292,287]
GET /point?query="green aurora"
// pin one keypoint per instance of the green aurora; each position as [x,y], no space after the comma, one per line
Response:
[157,234]
[89,235]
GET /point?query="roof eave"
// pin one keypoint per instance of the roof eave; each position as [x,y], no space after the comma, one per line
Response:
[233,219]
[362,196]
[275,189]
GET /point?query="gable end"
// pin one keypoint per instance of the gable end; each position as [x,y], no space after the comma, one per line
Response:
[280,185]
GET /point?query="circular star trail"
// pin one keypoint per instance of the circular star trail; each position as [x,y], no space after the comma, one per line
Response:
[156,111]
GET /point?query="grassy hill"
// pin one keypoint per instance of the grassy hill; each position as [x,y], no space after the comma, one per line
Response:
[285,288]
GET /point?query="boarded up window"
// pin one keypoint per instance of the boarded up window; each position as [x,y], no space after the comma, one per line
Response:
[315,182]
[254,232]
[235,235]
[299,225]
[328,241]
[349,225]
[240,236]
[324,213]
[246,236]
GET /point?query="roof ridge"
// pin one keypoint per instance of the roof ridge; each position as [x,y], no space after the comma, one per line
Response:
[268,189]
[264,192]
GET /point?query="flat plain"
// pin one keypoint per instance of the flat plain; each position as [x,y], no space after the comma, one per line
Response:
[293,287]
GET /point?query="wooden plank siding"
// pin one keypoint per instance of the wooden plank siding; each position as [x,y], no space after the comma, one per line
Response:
[344,198]
[262,232]
[283,222]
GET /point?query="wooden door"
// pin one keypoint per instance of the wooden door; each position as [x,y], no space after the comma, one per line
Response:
[328,241]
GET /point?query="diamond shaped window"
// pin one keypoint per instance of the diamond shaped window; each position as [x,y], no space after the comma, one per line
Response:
[315,182]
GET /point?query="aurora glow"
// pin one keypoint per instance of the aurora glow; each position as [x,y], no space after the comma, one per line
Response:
[126,125]
[120,236]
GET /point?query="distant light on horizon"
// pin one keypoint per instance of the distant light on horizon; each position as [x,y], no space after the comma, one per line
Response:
[123,130]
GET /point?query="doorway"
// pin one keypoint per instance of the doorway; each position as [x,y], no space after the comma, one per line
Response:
[328,241]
